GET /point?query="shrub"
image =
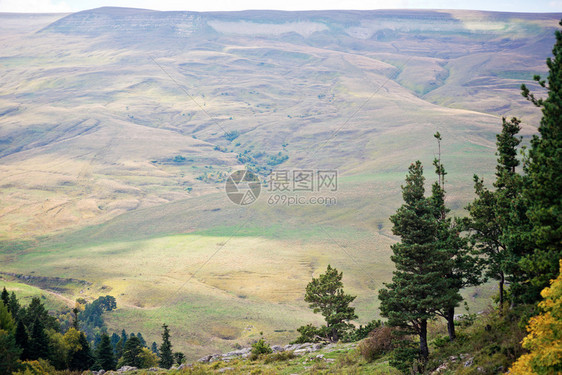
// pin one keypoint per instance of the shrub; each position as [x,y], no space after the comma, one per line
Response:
[38,367]
[232,135]
[178,159]
[380,341]
[147,358]
[261,347]
[309,333]
[404,355]
[362,332]
[466,320]
[440,342]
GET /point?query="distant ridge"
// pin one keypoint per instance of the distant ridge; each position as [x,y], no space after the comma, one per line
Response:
[180,23]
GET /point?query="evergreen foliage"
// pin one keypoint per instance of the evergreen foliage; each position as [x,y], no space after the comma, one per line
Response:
[22,340]
[6,320]
[141,339]
[325,295]
[261,347]
[114,340]
[9,353]
[104,358]
[418,289]
[166,356]
[498,225]
[131,353]
[154,348]
[91,319]
[36,311]
[463,267]
[14,306]
[81,359]
[5,297]
[544,184]
[38,341]
[179,357]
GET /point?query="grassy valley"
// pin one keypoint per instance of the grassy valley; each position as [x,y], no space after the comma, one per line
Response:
[118,128]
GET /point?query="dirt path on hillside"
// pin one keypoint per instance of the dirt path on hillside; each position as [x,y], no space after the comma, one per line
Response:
[68,302]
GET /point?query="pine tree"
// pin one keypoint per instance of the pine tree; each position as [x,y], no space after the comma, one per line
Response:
[497,222]
[9,353]
[97,338]
[7,322]
[38,341]
[14,306]
[22,340]
[464,267]
[5,297]
[511,207]
[166,357]
[142,340]
[75,321]
[543,190]
[36,310]
[418,289]
[131,352]
[81,359]
[104,358]
[124,336]
[154,348]
[325,295]
[114,340]
[119,348]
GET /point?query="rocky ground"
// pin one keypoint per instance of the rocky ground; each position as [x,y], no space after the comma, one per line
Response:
[298,350]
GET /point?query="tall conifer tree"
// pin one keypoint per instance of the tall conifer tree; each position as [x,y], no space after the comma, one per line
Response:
[544,184]
[498,224]
[38,341]
[166,355]
[5,297]
[82,358]
[418,289]
[325,295]
[104,358]
[22,340]
[131,352]
[463,267]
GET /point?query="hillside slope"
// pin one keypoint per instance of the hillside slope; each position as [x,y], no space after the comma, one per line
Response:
[118,128]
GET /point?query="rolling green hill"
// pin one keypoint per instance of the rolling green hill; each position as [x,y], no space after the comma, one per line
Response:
[118,128]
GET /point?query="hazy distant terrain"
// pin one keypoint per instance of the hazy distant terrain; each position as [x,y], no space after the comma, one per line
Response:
[119,126]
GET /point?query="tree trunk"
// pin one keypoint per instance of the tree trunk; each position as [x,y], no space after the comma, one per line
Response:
[334,335]
[451,323]
[424,351]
